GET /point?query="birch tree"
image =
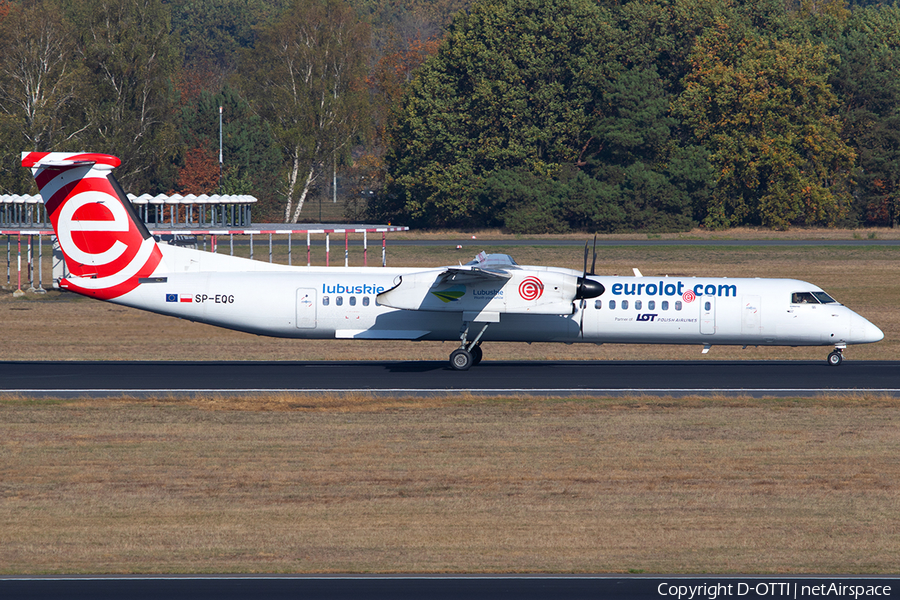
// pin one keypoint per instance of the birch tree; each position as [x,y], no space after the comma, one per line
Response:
[38,75]
[306,78]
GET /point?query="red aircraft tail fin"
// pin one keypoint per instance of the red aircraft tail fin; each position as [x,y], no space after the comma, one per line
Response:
[107,248]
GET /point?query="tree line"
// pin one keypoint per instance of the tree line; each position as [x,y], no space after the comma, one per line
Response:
[532,115]
[553,115]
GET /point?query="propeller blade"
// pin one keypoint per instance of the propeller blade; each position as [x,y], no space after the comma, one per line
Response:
[587,288]
[581,321]
[584,271]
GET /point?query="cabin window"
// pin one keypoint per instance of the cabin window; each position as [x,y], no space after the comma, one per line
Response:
[365,300]
[637,305]
[352,300]
[664,305]
[803,298]
[325,301]
[598,304]
[651,305]
[612,305]
[678,305]
[707,306]
[338,300]
[624,304]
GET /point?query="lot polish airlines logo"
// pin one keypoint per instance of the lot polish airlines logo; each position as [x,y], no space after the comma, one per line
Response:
[106,253]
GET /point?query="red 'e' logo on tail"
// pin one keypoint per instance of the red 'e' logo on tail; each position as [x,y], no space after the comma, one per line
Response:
[105,250]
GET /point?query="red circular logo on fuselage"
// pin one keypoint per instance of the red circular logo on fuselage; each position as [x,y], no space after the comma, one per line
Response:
[531,288]
[689,296]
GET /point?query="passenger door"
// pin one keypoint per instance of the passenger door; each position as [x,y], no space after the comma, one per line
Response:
[306,308]
[708,315]
[751,318]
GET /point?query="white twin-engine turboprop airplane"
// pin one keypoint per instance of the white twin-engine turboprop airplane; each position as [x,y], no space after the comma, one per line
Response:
[111,255]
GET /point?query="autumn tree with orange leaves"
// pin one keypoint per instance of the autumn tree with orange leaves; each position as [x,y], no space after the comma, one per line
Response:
[392,74]
[200,174]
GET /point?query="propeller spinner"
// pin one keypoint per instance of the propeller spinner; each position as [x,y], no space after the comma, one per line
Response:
[588,288]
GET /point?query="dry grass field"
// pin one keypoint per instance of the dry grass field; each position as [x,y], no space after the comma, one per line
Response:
[356,484]
[461,484]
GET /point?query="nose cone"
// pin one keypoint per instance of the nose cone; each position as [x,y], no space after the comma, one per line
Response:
[863,332]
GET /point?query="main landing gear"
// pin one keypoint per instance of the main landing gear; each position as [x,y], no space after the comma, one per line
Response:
[468,354]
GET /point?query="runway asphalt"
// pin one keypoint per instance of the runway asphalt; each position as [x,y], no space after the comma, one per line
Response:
[556,378]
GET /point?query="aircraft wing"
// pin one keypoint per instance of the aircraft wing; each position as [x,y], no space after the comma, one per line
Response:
[489,286]
[470,275]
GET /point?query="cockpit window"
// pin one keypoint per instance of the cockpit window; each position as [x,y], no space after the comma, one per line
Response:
[824,298]
[812,298]
[803,298]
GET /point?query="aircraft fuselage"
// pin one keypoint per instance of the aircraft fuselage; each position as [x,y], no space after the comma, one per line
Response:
[317,302]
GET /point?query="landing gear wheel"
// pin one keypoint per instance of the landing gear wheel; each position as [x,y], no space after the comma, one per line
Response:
[477,354]
[835,359]
[461,359]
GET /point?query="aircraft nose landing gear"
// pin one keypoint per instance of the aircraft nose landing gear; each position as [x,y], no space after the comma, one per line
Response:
[836,357]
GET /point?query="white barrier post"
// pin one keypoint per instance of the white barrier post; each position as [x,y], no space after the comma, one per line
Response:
[30,264]
[19,291]
[40,288]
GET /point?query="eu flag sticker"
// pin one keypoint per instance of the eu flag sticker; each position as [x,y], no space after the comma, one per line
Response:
[171,297]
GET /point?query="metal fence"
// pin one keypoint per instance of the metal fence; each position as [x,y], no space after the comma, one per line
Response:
[174,210]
